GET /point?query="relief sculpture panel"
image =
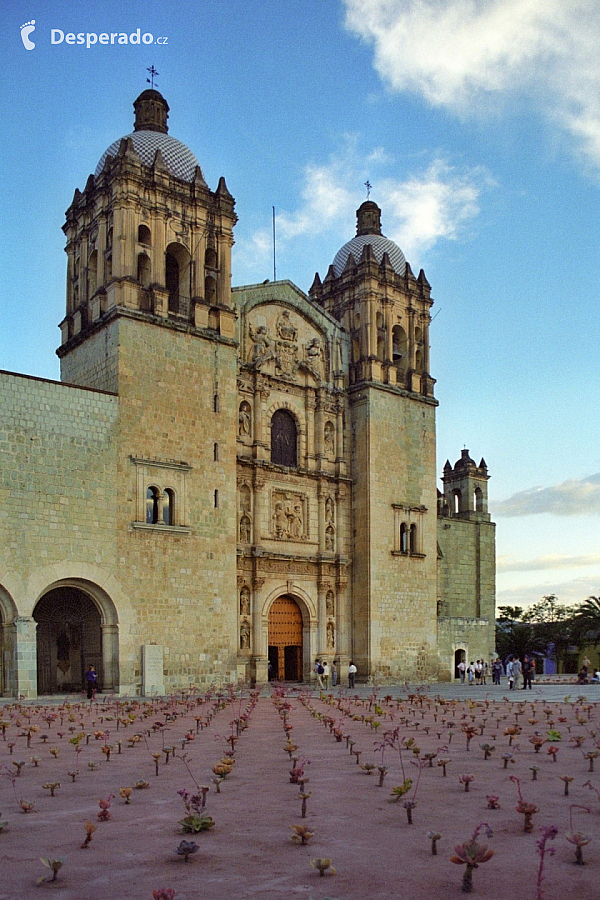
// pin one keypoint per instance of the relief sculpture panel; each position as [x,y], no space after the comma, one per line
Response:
[284,344]
[289,519]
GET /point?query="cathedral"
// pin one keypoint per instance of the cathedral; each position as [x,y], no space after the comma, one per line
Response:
[230,480]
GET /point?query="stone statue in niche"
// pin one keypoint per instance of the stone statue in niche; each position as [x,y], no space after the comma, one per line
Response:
[262,342]
[245,529]
[245,498]
[329,510]
[245,636]
[330,604]
[295,521]
[328,441]
[244,419]
[244,601]
[330,636]
[286,356]
[330,539]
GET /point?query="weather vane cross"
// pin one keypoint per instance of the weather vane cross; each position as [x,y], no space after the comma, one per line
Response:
[368,186]
[153,73]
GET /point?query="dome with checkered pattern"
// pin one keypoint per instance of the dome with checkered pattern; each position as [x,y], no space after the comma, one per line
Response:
[151,134]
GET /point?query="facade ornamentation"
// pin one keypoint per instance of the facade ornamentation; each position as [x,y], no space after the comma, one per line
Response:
[288,516]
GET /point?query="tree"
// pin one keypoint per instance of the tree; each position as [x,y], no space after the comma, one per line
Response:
[587,620]
[513,634]
[555,627]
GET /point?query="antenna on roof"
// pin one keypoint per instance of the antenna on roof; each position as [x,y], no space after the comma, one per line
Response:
[368,186]
[274,262]
[153,73]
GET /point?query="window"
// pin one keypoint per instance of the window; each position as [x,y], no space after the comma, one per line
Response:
[478,500]
[403,538]
[152,506]
[144,236]
[169,507]
[414,547]
[284,439]
[215,403]
[143,270]
[216,452]
[216,499]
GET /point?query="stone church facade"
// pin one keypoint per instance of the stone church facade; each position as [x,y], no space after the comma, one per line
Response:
[227,477]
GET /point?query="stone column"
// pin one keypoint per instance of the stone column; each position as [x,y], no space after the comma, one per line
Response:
[311,441]
[343,629]
[260,650]
[110,657]
[322,496]
[339,437]
[319,426]
[340,496]
[25,657]
[322,588]
[258,501]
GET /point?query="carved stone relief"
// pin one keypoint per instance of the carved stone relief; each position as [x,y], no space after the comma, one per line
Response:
[245,635]
[245,529]
[330,635]
[288,516]
[328,440]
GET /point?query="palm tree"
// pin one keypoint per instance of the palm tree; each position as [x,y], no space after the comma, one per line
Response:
[587,619]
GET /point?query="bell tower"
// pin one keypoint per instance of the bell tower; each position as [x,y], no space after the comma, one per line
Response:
[147,239]
[371,290]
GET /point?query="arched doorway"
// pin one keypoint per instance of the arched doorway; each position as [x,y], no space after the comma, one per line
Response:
[285,639]
[459,656]
[69,639]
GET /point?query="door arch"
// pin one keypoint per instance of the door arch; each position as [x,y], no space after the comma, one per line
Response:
[69,639]
[459,656]
[285,639]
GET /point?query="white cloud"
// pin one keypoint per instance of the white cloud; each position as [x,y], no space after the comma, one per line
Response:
[550,561]
[469,55]
[429,205]
[573,591]
[574,497]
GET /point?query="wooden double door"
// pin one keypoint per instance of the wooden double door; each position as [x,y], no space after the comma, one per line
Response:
[285,639]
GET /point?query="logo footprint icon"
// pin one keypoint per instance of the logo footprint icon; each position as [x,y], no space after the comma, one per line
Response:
[26,30]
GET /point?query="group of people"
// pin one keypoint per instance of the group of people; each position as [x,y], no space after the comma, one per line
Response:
[477,672]
[323,673]
[583,676]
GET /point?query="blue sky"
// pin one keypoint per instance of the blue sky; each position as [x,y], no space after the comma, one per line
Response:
[478,124]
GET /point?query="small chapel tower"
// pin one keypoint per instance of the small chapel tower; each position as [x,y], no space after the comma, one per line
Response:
[466,489]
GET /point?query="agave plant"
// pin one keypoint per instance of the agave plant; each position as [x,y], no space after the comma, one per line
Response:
[186,849]
[322,865]
[54,864]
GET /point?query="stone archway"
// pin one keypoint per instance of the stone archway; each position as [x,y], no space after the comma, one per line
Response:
[459,656]
[286,639]
[69,639]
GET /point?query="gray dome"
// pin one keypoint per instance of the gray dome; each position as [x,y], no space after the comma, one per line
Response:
[380,245]
[179,159]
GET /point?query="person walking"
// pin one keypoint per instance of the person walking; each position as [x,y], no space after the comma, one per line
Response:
[462,668]
[326,674]
[352,670]
[528,669]
[509,673]
[497,670]
[91,681]
[517,669]
[319,670]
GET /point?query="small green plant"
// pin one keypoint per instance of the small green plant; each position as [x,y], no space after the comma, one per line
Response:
[90,828]
[434,837]
[472,854]
[302,834]
[194,823]
[51,786]
[54,864]
[186,849]
[323,866]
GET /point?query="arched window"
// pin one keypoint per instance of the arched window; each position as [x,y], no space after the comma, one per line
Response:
[413,539]
[210,289]
[210,258]
[144,236]
[177,278]
[169,507]
[152,506]
[284,439]
[403,538]
[457,500]
[478,500]
[399,343]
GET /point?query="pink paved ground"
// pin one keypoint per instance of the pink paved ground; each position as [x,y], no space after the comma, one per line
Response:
[376,853]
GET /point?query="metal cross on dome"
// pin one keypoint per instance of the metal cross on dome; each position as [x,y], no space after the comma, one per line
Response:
[153,73]
[368,186]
